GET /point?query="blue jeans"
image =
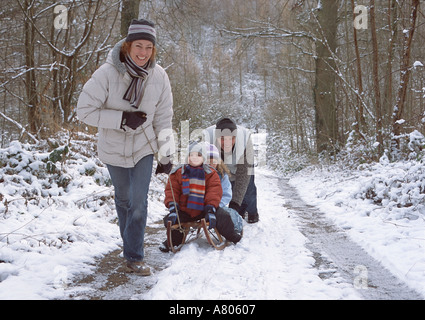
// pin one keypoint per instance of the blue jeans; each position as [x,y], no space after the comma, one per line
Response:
[131,201]
[249,203]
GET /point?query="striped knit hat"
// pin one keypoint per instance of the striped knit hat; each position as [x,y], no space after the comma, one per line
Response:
[212,151]
[141,30]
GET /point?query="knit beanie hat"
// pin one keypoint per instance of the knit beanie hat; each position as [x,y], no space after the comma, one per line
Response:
[199,147]
[225,125]
[141,30]
[212,151]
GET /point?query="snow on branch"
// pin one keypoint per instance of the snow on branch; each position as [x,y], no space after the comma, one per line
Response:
[20,126]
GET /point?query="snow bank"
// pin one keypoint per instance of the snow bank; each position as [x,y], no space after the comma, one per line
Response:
[56,217]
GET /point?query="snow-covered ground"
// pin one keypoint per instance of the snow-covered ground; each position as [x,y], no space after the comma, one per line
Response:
[53,227]
[270,262]
[381,207]
[49,232]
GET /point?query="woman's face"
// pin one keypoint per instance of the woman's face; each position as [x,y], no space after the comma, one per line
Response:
[141,51]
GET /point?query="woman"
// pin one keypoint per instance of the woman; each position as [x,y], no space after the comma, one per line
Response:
[129,99]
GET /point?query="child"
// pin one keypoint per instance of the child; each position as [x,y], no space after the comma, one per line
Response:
[215,161]
[195,194]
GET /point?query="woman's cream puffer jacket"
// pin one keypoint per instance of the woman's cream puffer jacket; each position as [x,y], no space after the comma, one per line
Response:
[101,105]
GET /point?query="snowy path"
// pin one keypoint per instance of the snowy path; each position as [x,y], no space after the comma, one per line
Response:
[270,262]
[334,252]
[290,254]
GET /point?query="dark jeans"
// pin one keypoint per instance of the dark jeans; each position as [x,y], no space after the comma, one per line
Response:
[249,203]
[131,201]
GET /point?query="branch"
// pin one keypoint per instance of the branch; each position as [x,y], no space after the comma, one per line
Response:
[267,30]
[21,127]
[85,36]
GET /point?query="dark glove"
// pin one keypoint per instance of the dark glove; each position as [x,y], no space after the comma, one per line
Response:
[164,168]
[133,119]
[233,205]
[209,211]
[173,214]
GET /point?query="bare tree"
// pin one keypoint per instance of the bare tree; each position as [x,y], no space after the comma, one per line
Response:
[30,75]
[129,11]
[324,88]
[55,56]
[360,123]
[405,70]
[376,87]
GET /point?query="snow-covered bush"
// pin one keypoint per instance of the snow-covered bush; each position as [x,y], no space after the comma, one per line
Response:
[56,214]
[46,170]
[416,145]
[399,185]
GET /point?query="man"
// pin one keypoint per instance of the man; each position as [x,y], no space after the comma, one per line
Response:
[237,152]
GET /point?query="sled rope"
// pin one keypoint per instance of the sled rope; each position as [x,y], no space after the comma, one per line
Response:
[171,186]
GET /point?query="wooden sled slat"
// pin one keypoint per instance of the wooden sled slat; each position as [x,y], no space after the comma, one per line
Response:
[186,227]
[218,243]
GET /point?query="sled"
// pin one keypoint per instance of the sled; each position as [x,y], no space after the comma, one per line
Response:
[189,228]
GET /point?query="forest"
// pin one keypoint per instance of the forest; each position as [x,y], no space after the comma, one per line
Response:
[325,79]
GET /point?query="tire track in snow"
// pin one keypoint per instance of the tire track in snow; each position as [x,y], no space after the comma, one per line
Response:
[335,252]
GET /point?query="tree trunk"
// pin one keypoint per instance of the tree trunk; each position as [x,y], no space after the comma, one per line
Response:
[376,87]
[405,70]
[130,11]
[360,126]
[388,88]
[30,79]
[324,89]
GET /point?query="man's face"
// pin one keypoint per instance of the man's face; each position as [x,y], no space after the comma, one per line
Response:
[227,143]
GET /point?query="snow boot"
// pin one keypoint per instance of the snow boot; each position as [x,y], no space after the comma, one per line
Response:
[253,218]
[138,267]
[163,247]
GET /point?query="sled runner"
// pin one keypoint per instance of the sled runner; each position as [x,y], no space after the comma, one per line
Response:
[189,228]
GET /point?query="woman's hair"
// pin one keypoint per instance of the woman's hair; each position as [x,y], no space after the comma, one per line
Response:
[222,168]
[125,50]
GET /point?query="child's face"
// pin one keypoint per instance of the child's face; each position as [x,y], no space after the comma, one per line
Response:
[195,159]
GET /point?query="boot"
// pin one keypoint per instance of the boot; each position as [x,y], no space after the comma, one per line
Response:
[163,247]
[253,218]
[138,267]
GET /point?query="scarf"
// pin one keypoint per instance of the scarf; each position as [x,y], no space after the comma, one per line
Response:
[193,184]
[134,93]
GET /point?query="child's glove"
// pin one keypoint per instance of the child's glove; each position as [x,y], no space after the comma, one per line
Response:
[233,205]
[209,211]
[171,217]
[173,213]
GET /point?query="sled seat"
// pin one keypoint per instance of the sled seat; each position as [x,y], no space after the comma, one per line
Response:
[189,228]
